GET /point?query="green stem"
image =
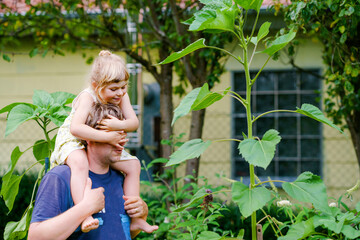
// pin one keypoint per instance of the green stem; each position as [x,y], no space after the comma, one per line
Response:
[227,52]
[260,183]
[253,53]
[291,216]
[30,168]
[229,139]
[238,97]
[254,25]
[269,218]
[45,131]
[253,81]
[174,187]
[272,111]
[40,124]
[249,124]
[53,129]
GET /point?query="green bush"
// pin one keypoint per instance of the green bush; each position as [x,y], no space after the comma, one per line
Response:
[22,202]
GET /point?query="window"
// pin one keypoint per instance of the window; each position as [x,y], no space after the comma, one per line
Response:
[300,148]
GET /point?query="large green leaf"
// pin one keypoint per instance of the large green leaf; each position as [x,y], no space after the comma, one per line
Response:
[42,99]
[206,98]
[329,222]
[10,182]
[157,160]
[217,3]
[11,106]
[249,200]
[338,224]
[211,18]
[185,104]
[207,235]
[260,152]
[18,115]
[299,230]
[263,32]
[350,232]
[279,43]
[189,49]
[315,113]
[18,230]
[190,149]
[357,207]
[250,4]
[41,149]
[201,193]
[309,188]
[57,114]
[10,190]
[62,98]
[198,98]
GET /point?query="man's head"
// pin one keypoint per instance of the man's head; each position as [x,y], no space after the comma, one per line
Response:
[101,111]
[102,152]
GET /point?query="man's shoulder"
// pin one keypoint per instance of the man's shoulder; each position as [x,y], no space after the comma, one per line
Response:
[61,171]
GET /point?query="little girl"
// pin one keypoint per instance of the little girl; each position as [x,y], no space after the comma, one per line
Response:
[109,80]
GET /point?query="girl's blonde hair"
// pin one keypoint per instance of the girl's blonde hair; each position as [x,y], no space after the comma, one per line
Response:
[106,69]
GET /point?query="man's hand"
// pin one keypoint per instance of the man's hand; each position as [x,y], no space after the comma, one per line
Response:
[94,199]
[135,207]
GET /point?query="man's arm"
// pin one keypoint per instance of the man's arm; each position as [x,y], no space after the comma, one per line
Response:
[63,225]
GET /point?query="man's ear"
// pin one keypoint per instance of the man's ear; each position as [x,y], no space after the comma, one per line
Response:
[93,84]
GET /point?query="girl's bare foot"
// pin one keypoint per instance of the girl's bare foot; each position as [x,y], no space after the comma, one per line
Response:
[89,224]
[141,224]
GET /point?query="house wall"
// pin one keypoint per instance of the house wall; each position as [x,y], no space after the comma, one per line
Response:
[20,77]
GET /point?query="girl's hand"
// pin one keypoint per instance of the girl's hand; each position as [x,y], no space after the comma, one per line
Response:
[110,123]
[117,139]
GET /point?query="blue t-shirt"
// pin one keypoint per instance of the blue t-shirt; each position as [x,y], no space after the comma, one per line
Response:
[54,197]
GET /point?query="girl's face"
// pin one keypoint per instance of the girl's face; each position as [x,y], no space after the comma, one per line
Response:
[114,92]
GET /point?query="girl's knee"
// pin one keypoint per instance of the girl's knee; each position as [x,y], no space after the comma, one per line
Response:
[78,162]
[136,165]
[133,167]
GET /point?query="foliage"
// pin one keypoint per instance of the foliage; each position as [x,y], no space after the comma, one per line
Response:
[336,25]
[210,218]
[22,201]
[312,223]
[191,220]
[231,16]
[46,108]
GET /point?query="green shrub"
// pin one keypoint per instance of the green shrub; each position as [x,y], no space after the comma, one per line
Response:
[22,202]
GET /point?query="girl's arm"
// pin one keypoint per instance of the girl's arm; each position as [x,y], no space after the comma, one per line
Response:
[130,122]
[79,129]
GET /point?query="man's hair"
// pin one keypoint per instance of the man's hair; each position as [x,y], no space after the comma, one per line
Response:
[99,112]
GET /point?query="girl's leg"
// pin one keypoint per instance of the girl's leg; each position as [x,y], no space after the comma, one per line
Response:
[131,187]
[79,166]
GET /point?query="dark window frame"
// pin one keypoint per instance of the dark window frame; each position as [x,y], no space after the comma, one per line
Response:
[299,91]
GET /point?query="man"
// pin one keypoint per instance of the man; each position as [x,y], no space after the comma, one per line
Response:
[55,216]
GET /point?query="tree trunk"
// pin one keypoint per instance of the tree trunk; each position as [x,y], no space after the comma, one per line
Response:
[197,117]
[353,123]
[166,108]
[196,129]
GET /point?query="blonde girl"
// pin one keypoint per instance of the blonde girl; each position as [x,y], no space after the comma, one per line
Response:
[108,84]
